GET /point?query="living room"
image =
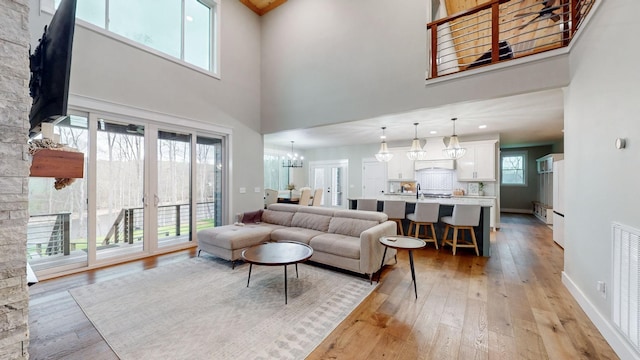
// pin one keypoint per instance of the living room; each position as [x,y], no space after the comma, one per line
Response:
[264,87]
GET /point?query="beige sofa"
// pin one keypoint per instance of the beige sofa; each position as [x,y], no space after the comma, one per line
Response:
[346,239]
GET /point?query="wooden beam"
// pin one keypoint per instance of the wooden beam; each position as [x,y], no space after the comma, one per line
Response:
[262,10]
[57,164]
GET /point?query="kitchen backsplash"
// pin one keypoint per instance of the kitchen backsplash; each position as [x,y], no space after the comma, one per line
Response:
[445,181]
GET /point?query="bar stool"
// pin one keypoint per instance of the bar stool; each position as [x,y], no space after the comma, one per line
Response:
[395,210]
[367,204]
[464,217]
[425,214]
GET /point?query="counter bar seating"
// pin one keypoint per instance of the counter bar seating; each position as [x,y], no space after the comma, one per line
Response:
[464,217]
[367,204]
[425,214]
[395,210]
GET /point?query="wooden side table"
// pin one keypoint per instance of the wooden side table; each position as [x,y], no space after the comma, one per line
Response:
[402,243]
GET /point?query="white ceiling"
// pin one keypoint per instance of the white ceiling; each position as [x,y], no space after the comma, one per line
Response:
[521,120]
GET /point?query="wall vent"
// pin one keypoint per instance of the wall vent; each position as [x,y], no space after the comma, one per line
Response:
[626,283]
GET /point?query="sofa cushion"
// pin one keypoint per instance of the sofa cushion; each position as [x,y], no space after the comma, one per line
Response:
[295,234]
[277,217]
[311,221]
[380,217]
[336,244]
[350,227]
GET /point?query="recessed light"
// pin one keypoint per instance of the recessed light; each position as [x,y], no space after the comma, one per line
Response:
[433,132]
[482,127]
[189,18]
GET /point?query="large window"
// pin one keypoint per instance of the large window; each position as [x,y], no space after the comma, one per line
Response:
[513,167]
[183,29]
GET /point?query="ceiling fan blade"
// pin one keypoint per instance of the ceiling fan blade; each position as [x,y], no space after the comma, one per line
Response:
[525,14]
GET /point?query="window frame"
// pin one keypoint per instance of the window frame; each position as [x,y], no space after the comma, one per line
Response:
[524,156]
[48,6]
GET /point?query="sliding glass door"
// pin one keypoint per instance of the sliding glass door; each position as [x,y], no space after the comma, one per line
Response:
[173,199]
[120,188]
[147,188]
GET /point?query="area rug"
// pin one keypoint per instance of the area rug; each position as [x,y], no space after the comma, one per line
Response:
[202,309]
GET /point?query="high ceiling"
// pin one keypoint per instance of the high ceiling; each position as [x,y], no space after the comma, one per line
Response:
[522,120]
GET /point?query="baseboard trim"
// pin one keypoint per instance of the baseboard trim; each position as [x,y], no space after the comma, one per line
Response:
[617,342]
[516,211]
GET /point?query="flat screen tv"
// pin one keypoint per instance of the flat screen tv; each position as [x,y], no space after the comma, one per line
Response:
[50,66]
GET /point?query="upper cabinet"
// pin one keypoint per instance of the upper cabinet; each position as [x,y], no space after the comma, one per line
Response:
[479,161]
[400,167]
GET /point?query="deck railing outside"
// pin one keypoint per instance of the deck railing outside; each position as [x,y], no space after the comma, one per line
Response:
[500,30]
[50,235]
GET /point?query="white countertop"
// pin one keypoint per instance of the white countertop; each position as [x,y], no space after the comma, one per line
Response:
[411,198]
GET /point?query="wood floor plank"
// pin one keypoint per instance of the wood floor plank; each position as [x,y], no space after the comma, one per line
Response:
[511,305]
[554,336]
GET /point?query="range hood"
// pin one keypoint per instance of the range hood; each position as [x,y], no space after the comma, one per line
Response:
[435,158]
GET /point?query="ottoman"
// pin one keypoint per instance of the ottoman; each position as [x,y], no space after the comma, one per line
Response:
[228,241]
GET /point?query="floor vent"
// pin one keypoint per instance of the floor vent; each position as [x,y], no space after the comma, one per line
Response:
[626,282]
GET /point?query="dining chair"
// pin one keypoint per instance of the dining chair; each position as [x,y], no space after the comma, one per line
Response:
[317,197]
[305,196]
[270,197]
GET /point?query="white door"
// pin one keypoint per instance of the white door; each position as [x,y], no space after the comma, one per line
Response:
[332,177]
[374,178]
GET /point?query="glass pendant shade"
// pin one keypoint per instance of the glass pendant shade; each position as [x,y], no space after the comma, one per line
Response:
[383,154]
[416,152]
[453,150]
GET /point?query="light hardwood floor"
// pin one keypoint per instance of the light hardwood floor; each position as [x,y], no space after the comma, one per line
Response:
[509,306]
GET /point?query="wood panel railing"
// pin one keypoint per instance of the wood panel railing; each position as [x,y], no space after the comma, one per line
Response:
[500,30]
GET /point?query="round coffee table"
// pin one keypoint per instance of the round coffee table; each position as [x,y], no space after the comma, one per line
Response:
[402,243]
[275,254]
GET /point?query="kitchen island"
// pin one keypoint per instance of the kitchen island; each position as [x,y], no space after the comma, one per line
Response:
[446,209]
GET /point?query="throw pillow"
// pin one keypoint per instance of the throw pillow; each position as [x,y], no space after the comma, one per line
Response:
[252,217]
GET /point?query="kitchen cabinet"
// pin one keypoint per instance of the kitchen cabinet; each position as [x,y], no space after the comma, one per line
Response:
[478,162]
[400,167]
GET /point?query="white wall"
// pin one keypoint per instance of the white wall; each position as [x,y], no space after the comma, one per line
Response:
[112,71]
[601,181]
[329,61]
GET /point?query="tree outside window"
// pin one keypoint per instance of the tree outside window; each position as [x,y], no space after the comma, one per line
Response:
[514,169]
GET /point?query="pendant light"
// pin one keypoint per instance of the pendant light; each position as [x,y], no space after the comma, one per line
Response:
[453,150]
[292,160]
[383,155]
[416,152]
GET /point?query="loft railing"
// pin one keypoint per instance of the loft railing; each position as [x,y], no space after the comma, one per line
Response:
[127,228]
[500,30]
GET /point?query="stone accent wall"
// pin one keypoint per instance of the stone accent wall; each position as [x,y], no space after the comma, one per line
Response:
[14,176]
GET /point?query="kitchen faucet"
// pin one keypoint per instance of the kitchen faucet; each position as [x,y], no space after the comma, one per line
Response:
[417,191]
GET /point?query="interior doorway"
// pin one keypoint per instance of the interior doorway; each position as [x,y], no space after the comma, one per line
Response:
[331,176]
[374,178]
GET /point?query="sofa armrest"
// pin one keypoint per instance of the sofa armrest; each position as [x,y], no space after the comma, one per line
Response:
[371,249]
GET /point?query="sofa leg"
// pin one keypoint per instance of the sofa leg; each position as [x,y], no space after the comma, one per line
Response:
[199,253]
[233,264]
[370,279]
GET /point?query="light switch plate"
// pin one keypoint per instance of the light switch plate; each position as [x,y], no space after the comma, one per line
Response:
[243,190]
[257,189]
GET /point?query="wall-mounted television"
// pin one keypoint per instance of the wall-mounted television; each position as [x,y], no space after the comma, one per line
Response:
[50,66]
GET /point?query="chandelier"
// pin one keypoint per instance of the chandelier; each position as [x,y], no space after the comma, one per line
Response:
[416,152]
[292,160]
[453,150]
[383,154]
